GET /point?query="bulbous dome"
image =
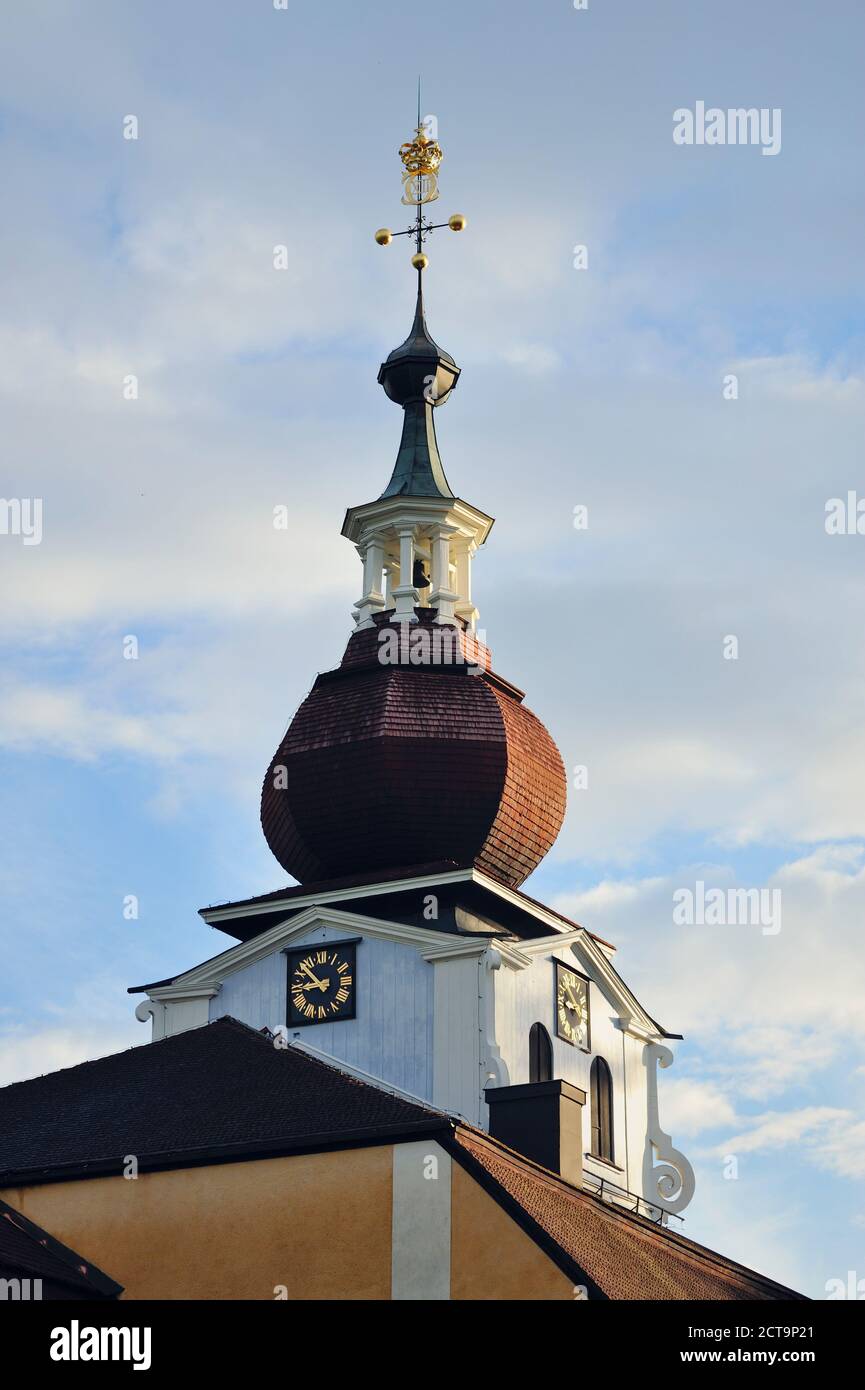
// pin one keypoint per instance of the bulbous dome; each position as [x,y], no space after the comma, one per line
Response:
[413,751]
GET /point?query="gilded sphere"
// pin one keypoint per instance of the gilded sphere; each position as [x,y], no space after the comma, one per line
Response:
[384,236]
[420,261]
[457,222]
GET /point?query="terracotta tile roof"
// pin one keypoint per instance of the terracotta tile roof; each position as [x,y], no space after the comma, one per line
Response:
[616,1253]
[28,1252]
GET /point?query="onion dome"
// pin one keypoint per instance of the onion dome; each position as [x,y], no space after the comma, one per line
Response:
[411,751]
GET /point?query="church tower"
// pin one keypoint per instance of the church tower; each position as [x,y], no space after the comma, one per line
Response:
[411,796]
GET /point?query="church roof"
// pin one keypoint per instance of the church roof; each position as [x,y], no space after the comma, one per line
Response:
[616,1253]
[224,1093]
[211,1094]
[29,1252]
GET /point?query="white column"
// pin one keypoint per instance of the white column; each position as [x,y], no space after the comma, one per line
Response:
[442,595]
[391,572]
[405,594]
[466,550]
[372,552]
[421,1222]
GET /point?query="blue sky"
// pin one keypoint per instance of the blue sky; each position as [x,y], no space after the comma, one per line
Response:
[600,387]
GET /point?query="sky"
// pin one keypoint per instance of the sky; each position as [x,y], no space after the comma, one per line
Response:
[606,387]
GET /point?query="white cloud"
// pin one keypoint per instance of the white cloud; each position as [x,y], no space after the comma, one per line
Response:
[24,1054]
[766,1016]
[778,1130]
[691,1107]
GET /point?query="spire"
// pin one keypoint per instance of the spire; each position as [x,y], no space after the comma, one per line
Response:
[417,539]
[419,376]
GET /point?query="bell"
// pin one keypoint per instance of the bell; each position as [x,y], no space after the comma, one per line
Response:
[419,579]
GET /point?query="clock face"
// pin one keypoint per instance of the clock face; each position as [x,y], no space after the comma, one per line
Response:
[321,983]
[572,1006]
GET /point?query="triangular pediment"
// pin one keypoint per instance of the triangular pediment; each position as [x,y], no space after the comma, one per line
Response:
[294,930]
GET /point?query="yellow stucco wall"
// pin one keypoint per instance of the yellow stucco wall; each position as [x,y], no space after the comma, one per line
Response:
[320,1224]
[491,1256]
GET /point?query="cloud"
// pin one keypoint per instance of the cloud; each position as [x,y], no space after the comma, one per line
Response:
[777,1130]
[767,1015]
[27,1053]
[692,1107]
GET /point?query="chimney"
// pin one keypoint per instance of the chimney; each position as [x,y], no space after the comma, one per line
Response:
[542,1120]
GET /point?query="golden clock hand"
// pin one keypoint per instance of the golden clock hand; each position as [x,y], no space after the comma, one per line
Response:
[306,970]
[577,1008]
[317,984]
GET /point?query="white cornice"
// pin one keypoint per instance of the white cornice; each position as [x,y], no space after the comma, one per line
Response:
[368,890]
[177,991]
[438,944]
[476,946]
[540,944]
[541,914]
[371,517]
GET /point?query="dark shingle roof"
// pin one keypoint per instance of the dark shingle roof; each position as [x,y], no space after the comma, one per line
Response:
[28,1252]
[222,1090]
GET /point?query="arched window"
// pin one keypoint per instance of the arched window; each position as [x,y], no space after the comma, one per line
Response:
[601,1088]
[540,1054]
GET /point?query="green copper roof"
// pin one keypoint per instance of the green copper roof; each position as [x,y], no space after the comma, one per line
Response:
[418,471]
[419,376]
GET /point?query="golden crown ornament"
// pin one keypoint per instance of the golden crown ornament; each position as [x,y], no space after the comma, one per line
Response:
[421,158]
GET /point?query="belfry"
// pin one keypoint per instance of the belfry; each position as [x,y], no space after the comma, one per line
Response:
[411,796]
[403,1077]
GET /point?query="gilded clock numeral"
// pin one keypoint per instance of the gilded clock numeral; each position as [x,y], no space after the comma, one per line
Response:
[321,985]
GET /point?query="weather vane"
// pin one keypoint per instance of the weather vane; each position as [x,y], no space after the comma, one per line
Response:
[421,158]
